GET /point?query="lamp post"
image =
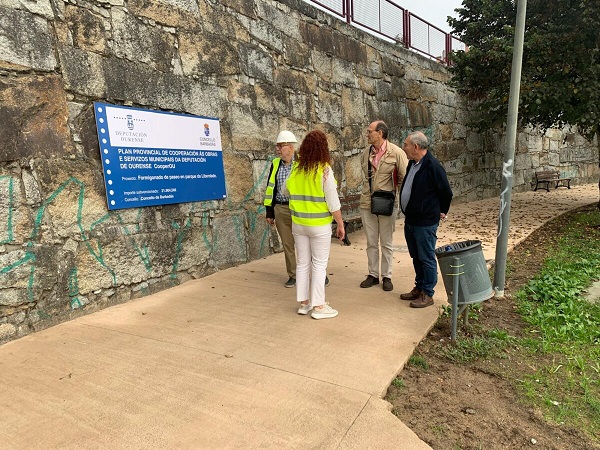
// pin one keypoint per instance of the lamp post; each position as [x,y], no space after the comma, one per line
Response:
[509,154]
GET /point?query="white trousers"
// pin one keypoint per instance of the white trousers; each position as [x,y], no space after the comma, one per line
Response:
[312,254]
[379,231]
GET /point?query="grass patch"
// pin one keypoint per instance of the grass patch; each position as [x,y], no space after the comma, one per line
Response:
[561,351]
[488,344]
[398,383]
[418,361]
[397,412]
[565,328]
[439,430]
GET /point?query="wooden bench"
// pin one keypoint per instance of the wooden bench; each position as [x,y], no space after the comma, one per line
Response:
[551,176]
[350,214]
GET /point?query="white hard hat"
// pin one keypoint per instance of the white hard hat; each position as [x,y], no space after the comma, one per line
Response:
[286,136]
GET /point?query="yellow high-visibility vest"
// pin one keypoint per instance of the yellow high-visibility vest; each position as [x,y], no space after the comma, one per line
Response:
[270,192]
[307,198]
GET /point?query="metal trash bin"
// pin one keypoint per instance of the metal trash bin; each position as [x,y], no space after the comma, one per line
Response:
[474,280]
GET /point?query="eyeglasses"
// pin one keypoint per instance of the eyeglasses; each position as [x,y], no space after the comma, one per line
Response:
[284,144]
[371,131]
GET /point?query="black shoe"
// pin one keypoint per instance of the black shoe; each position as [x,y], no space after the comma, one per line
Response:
[387,284]
[369,282]
[290,283]
[326,281]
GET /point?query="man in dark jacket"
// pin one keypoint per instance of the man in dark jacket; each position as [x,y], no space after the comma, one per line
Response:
[425,199]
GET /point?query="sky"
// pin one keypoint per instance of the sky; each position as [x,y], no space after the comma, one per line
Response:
[433,11]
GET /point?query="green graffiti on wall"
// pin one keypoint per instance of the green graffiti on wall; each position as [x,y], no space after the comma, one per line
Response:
[181,233]
[10,207]
[141,249]
[94,246]
[74,290]
[254,217]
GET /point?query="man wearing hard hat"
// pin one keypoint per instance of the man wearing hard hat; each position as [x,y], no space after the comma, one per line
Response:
[278,205]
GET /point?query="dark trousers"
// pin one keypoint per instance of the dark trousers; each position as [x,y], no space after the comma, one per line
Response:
[421,248]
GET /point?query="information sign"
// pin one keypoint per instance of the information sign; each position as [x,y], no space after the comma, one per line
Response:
[157,158]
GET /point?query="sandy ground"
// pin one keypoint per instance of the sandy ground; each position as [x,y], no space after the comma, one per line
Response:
[529,210]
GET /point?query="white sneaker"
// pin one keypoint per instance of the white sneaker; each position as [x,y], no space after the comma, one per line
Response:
[327,312]
[304,309]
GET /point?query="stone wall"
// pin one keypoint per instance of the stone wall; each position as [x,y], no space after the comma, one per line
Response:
[259,66]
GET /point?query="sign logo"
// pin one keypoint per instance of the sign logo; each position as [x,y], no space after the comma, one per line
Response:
[206,130]
[130,121]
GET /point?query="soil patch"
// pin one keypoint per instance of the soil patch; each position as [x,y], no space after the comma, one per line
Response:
[476,405]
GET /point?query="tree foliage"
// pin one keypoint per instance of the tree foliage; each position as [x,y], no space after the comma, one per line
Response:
[560,81]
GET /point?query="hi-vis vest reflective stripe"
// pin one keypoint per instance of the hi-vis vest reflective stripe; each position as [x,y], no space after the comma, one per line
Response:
[270,192]
[307,199]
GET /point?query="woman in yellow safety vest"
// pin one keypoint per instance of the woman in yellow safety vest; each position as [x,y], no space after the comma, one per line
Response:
[313,201]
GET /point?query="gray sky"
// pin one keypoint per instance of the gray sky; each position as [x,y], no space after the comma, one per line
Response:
[433,11]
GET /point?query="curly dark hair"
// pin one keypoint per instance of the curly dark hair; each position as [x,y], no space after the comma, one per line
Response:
[314,151]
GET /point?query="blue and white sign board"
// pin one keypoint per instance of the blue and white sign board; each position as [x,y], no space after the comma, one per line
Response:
[156,158]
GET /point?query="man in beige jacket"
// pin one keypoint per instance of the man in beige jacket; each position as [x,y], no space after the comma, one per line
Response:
[387,164]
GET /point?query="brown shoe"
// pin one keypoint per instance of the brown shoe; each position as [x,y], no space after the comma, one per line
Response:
[412,295]
[423,301]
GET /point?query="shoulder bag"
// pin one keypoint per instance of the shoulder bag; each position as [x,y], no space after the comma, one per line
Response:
[382,202]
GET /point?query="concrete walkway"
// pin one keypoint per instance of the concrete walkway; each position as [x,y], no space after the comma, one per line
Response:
[225,361]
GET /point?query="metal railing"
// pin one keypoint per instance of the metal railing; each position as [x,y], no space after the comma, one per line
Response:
[392,21]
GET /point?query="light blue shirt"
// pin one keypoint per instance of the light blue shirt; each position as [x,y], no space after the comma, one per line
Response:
[408,182]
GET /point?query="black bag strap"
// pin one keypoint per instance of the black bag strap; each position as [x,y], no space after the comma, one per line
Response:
[369,172]
[394,177]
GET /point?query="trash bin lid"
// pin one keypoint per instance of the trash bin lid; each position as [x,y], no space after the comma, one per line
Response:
[457,247]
